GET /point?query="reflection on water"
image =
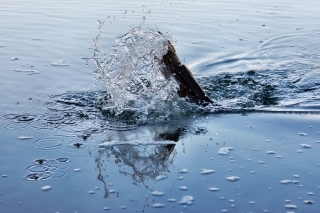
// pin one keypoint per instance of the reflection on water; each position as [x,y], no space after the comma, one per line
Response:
[139,163]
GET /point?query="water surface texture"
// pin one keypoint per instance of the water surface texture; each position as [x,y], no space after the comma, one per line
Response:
[89,123]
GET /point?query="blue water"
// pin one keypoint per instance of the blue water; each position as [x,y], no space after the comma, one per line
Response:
[259,61]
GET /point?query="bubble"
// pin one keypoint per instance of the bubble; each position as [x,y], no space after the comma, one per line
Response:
[213,189]
[157,193]
[310,193]
[171,200]
[271,152]
[206,171]
[46,188]
[186,200]
[302,134]
[91,192]
[232,178]
[77,170]
[225,150]
[105,208]
[158,205]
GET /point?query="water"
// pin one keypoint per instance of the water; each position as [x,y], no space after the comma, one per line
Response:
[145,149]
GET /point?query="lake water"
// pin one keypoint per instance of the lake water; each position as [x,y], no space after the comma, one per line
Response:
[63,149]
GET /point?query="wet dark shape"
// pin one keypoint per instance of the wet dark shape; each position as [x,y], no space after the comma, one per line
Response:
[170,135]
[188,86]
[78,145]
[33,176]
[40,161]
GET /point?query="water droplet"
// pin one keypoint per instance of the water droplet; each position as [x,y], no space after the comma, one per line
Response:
[285,181]
[271,152]
[46,188]
[290,206]
[105,208]
[183,187]
[172,200]
[157,193]
[206,171]
[305,145]
[158,205]
[308,202]
[183,170]
[225,150]
[14,59]
[77,170]
[161,177]
[91,192]
[310,193]
[302,134]
[186,200]
[4,176]
[232,178]
[24,137]
[213,189]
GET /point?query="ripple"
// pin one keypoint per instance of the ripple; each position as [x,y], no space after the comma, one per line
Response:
[62,160]
[48,144]
[37,176]
[38,168]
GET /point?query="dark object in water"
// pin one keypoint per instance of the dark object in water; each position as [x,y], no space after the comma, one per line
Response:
[189,87]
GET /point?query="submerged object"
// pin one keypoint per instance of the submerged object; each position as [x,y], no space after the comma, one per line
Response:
[188,86]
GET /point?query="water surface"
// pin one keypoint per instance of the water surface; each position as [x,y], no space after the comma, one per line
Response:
[63,150]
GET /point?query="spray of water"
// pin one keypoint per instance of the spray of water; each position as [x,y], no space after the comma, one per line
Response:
[131,71]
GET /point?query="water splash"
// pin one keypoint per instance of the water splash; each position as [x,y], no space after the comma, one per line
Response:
[131,71]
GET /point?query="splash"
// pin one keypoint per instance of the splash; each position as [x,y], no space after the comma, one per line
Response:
[131,71]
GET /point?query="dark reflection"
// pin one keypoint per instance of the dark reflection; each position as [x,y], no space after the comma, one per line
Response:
[140,161]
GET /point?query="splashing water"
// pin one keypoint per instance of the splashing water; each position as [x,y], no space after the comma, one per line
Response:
[132,74]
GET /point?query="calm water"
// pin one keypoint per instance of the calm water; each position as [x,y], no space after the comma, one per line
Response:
[62,151]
